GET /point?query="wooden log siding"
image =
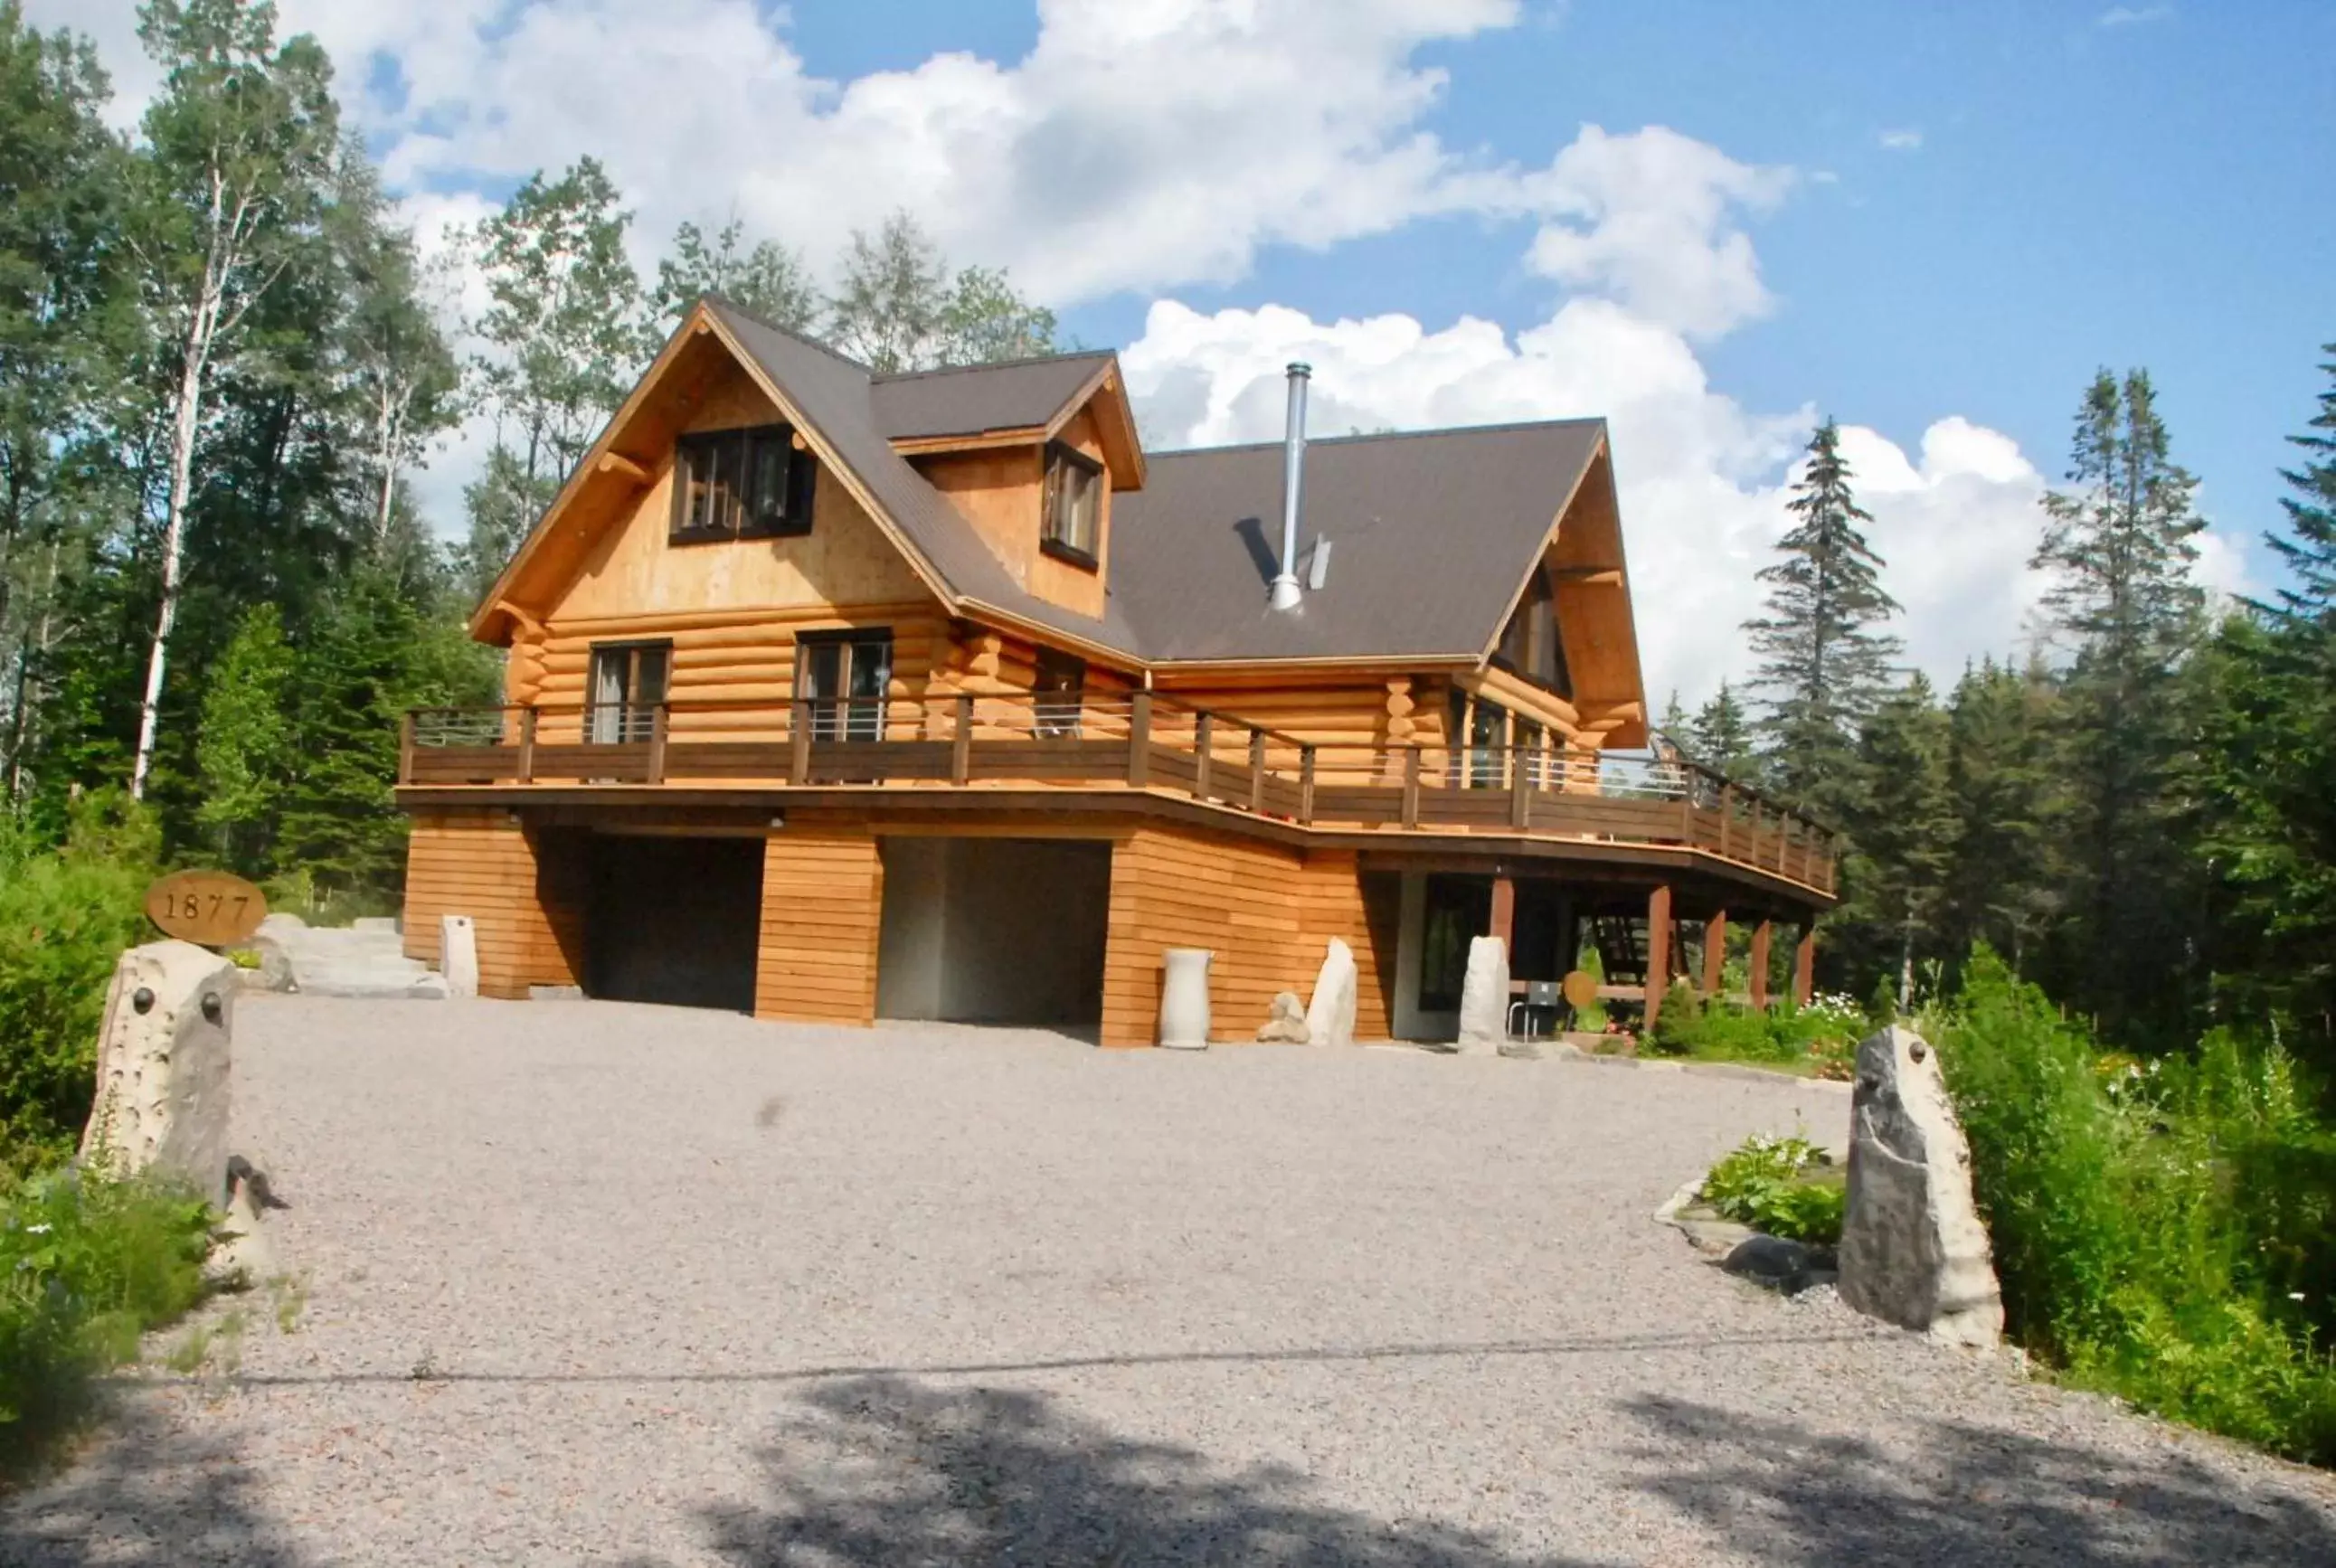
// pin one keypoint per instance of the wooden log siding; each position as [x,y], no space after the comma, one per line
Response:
[525,895]
[823,900]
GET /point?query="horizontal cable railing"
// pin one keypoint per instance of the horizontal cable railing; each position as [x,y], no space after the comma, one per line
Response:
[1120,740]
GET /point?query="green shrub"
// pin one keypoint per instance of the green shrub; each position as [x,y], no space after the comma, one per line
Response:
[65,915]
[1782,1186]
[2162,1232]
[87,1265]
[1593,1017]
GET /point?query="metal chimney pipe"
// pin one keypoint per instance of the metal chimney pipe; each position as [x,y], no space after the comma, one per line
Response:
[1284,594]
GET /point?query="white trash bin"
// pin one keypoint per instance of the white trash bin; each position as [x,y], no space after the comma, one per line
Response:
[1184,1000]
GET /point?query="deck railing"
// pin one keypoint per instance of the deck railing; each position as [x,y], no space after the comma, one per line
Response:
[1123,741]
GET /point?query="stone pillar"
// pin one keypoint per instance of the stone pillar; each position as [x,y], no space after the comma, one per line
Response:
[162,1101]
[1759,975]
[1715,952]
[1804,965]
[1330,1016]
[1913,1252]
[458,955]
[1659,951]
[1184,999]
[1485,999]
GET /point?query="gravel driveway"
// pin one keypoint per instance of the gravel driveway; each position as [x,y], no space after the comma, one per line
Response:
[629,1285]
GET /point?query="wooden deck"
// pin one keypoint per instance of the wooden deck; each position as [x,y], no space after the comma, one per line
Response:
[1138,745]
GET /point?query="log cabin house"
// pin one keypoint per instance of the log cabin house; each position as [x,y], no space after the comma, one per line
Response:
[836,696]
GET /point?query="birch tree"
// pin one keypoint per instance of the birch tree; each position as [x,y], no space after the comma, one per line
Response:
[238,147]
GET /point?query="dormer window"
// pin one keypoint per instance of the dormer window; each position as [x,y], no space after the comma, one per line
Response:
[1074,505]
[1531,644]
[742,485]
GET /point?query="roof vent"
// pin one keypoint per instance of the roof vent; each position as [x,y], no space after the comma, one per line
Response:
[1285,594]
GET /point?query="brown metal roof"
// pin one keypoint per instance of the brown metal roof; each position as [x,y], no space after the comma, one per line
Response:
[1431,535]
[1015,394]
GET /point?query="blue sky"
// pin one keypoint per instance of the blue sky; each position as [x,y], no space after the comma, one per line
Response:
[1709,222]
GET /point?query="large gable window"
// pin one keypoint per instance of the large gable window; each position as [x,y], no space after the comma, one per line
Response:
[1074,505]
[742,485]
[1530,644]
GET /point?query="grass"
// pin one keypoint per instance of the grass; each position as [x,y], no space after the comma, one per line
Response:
[2163,1231]
[1819,1040]
[87,1265]
[1784,1187]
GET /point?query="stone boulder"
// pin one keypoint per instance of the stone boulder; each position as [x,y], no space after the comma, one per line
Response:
[1287,1026]
[1330,1016]
[1485,999]
[275,971]
[162,1101]
[1912,1250]
[458,954]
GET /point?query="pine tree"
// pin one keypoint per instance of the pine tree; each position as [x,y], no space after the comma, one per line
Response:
[1901,828]
[1720,735]
[2309,547]
[245,743]
[2118,549]
[2003,868]
[1822,667]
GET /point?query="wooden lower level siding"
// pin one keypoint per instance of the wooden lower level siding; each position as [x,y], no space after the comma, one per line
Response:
[822,901]
[1267,913]
[523,891]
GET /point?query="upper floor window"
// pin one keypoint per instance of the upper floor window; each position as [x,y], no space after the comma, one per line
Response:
[845,676]
[742,485]
[1074,505]
[1530,644]
[628,683]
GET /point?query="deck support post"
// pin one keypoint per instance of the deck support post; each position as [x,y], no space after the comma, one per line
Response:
[1758,973]
[657,723]
[799,742]
[961,741]
[1203,740]
[1504,913]
[1715,951]
[405,748]
[1659,951]
[1411,786]
[527,720]
[1256,770]
[1305,783]
[1139,741]
[1727,818]
[1520,789]
[1804,965]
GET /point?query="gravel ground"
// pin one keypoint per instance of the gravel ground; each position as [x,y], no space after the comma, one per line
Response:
[628,1285]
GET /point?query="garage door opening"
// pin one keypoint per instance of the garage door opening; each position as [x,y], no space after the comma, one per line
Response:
[674,920]
[983,930]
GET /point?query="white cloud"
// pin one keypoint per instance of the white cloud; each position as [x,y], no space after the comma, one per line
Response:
[1905,140]
[2132,15]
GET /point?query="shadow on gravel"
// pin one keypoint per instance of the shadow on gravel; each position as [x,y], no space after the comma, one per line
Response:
[1781,1494]
[147,1497]
[890,1471]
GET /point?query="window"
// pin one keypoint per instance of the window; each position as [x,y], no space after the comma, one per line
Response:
[1530,644]
[1059,692]
[628,683]
[742,485]
[1459,908]
[1488,732]
[1074,504]
[844,676]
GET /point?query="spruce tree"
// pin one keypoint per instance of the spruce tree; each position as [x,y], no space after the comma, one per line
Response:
[2003,871]
[1822,667]
[1900,823]
[244,744]
[2118,547]
[1720,735]
[2310,546]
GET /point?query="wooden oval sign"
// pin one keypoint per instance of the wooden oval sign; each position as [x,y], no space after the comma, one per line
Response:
[213,908]
[1580,990]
